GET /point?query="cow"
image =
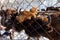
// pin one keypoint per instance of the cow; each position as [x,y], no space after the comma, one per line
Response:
[34,26]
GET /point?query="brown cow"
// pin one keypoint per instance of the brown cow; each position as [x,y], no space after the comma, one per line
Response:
[6,16]
[34,27]
[55,24]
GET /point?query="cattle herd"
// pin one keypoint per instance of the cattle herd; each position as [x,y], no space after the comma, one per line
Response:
[34,22]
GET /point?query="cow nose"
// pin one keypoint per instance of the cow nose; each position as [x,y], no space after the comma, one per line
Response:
[6,21]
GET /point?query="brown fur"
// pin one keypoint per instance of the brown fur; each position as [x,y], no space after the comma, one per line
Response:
[54,24]
[10,11]
[27,14]
[55,34]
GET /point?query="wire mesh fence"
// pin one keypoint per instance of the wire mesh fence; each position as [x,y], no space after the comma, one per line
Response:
[28,4]
[25,4]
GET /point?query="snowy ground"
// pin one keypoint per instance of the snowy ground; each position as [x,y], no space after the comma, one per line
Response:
[19,36]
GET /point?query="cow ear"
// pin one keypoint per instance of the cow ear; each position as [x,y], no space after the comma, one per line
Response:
[33,9]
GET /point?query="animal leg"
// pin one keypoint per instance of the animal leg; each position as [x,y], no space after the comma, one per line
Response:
[10,36]
[37,38]
[28,38]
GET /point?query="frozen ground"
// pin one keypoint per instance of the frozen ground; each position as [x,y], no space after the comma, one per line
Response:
[19,36]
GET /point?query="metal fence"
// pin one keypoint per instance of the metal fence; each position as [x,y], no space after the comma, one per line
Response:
[28,4]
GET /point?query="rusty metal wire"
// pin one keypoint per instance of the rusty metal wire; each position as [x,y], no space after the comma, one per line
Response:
[24,4]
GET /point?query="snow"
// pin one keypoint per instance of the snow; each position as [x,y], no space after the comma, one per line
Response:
[21,36]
